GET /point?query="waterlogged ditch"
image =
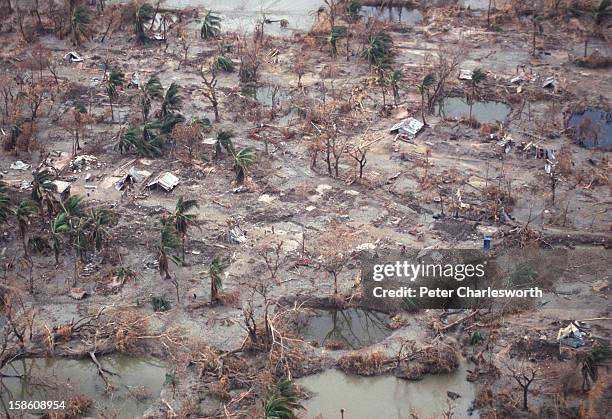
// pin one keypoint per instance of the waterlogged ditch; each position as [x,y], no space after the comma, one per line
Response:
[351,328]
[138,382]
[387,396]
[482,111]
[593,128]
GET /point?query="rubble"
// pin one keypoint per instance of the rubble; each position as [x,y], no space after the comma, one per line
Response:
[600,285]
[82,161]
[465,74]
[134,175]
[62,189]
[572,335]
[550,82]
[235,235]
[77,293]
[19,165]
[73,57]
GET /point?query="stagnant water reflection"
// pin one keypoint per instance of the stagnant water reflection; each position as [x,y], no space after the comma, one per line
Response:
[353,327]
[393,14]
[593,128]
[482,111]
[138,382]
[386,396]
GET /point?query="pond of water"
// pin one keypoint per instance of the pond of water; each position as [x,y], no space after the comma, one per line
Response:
[482,111]
[354,327]
[139,380]
[386,396]
[593,128]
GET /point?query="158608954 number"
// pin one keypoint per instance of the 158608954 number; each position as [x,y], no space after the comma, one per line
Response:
[36,404]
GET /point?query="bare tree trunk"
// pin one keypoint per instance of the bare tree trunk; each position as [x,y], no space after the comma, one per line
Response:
[534,38]
[423,109]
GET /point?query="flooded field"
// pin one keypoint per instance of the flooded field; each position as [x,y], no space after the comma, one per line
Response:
[242,15]
[353,327]
[137,382]
[393,14]
[386,396]
[593,128]
[482,111]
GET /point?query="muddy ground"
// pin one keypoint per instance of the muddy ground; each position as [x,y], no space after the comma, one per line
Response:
[407,197]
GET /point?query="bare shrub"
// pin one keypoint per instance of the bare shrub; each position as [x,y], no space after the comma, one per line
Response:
[364,363]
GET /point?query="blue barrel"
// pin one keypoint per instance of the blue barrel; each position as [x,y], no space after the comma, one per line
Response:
[486,245]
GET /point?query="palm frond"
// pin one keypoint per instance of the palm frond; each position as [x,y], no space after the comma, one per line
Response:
[478,76]
[216,268]
[153,87]
[378,49]
[172,99]
[4,203]
[42,184]
[81,20]
[211,26]
[224,64]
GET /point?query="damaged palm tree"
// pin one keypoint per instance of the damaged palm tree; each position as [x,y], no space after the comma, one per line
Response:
[216,270]
[183,220]
[144,15]
[144,140]
[224,141]
[5,210]
[211,26]
[23,212]
[242,160]
[115,79]
[168,243]
[283,401]
[590,363]
[337,33]
[394,80]
[58,227]
[170,107]
[426,83]
[224,63]
[43,188]
[478,76]
[151,90]
[378,49]
[79,24]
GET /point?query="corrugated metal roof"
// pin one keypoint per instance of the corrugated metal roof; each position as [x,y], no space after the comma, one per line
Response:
[409,127]
[167,181]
